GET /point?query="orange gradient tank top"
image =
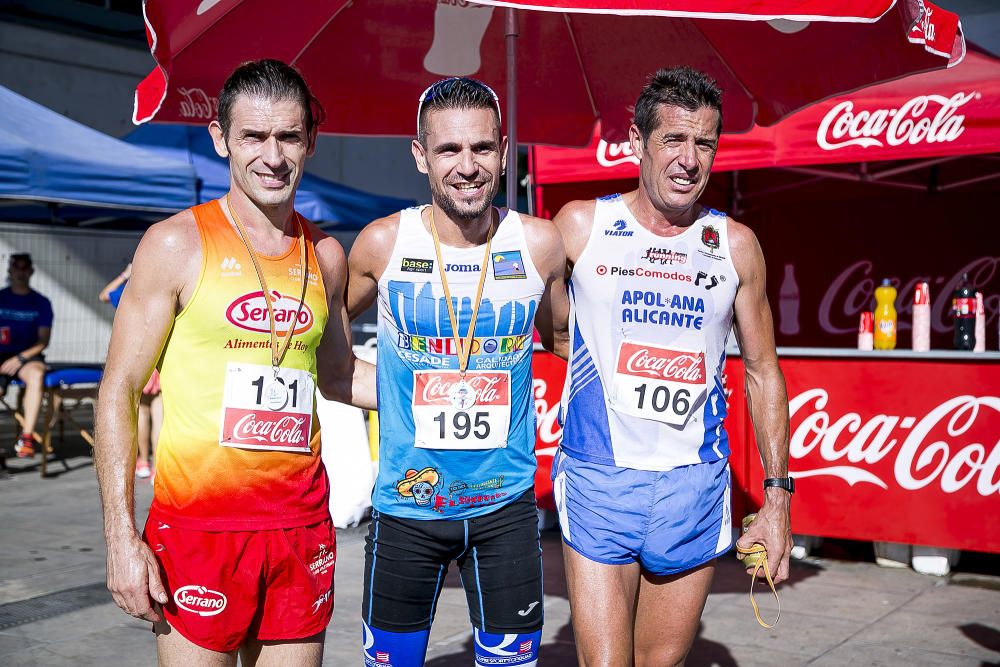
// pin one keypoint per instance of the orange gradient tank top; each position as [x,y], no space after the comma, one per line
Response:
[239,448]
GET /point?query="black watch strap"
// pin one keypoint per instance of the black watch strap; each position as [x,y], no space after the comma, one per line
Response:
[786,483]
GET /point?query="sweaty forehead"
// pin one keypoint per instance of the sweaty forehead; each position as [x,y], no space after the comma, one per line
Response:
[461,126]
[256,110]
[673,119]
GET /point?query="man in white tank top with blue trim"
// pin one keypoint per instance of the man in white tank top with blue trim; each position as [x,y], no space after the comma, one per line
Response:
[641,480]
[460,286]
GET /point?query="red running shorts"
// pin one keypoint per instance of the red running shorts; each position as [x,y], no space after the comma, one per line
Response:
[227,586]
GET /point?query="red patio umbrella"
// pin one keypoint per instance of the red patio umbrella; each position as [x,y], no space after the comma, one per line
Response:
[935,116]
[369,60]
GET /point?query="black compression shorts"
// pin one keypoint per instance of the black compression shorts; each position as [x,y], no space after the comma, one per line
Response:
[498,555]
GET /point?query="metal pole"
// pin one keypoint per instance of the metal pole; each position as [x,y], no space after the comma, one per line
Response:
[510,37]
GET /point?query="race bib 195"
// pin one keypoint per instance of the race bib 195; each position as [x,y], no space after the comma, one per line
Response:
[658,383]
[264,411]
[450,414]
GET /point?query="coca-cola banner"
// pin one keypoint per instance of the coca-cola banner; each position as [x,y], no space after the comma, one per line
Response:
[549,375]
[891,450]
[882,449]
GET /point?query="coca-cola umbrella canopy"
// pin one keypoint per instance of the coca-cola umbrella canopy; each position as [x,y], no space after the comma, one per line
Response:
[369,60]
[929,116]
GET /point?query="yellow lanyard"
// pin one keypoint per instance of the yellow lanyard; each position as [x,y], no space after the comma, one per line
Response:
[747,556]
[464,346]
[277,351]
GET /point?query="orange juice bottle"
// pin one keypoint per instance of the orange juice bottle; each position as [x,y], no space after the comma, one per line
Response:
[885,316]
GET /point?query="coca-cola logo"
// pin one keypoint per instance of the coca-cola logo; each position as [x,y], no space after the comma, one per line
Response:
[853,445]
[250,312]
[852,291]
[272,428]
[547,427]
[200,600]
[196,103]
[436,389]
[925,118]
[610,155]
[662,364]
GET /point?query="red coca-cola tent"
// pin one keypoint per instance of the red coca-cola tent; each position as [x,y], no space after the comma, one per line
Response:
[902,171]
[894,181]
[945,113]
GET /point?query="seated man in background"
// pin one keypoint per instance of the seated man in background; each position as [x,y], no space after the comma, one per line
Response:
[25,328]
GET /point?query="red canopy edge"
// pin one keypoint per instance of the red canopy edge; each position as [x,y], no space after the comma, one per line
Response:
[950,112]
[853,11]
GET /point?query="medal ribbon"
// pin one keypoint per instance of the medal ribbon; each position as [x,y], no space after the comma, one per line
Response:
[464,346]
[277,350]
[759,563]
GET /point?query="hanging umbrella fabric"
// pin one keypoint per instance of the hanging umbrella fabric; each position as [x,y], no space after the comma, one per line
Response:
[946,113]
[369,60]
[331,205]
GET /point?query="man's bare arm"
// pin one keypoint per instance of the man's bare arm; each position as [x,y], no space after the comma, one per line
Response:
[549,258]
[342,376]
[766,396]
[574,222]
[165,260]
[369,256]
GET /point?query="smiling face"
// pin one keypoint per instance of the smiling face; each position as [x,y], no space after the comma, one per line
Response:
[463,158]
[676,160]
[267,147]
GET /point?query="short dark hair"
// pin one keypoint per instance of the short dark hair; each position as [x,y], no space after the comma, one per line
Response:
[271,80]
[455,93]
[683,87]
[21,257]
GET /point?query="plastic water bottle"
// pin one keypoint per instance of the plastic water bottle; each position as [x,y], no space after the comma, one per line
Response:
[885,316]
[980,327]
[922,318]
[963,308]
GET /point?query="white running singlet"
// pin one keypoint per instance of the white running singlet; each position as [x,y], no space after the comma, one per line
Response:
[648,326]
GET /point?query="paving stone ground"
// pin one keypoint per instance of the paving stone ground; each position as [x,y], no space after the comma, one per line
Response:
[55,610]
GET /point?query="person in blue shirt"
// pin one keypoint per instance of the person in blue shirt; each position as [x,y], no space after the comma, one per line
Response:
[25,329]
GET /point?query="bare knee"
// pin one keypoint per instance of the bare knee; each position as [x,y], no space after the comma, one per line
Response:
[661,656]
[32,374]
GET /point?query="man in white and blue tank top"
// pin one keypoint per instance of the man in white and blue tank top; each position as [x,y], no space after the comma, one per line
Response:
[460,286]
[642,482]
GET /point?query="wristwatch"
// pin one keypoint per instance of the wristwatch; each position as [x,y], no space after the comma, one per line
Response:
[786,483]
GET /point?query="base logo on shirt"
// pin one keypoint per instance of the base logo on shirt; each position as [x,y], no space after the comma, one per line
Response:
[200,600]
[419,485]
[411,265]
[250,312]
[508,265]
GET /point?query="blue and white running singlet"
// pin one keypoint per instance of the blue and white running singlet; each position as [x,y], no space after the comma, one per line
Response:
[649,321]
[435,460]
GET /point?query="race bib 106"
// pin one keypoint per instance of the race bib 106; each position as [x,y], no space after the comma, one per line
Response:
[264,411]
[452,413]
[658,383]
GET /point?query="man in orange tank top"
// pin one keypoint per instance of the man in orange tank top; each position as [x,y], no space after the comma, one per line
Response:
[230,300]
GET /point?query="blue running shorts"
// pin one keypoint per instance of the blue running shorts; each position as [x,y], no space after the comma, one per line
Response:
[668,521]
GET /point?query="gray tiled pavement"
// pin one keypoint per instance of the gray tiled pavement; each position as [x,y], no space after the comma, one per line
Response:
[54,609]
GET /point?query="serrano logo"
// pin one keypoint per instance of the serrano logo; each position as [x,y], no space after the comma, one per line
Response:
[200,600]
[671,365]
[250,312]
